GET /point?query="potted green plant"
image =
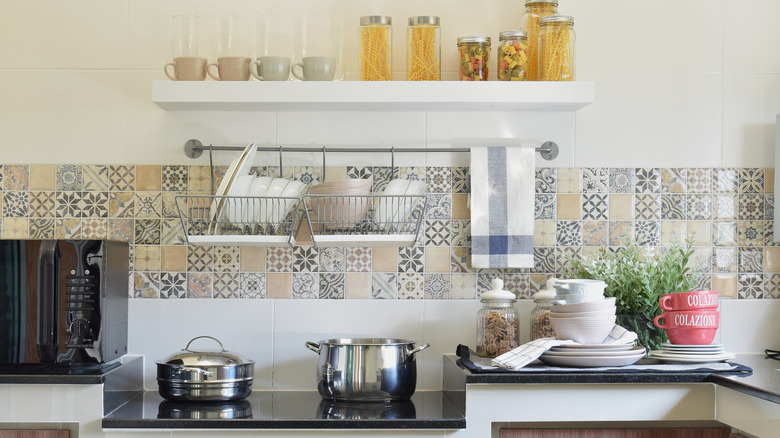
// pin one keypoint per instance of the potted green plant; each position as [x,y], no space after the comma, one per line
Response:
[637,277]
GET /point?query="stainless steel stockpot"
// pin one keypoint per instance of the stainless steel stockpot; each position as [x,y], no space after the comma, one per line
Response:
[366,369]
[191,375]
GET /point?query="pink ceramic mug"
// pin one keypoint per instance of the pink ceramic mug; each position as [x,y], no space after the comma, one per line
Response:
[688,319]
[691,336]
[700,299]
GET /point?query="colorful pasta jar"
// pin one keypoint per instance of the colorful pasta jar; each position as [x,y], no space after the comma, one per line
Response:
[535,10]
[512,56]
[556,48]
[474,55]
[423,49]
[376,48]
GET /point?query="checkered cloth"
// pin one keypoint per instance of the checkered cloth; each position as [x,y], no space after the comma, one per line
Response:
[529,352]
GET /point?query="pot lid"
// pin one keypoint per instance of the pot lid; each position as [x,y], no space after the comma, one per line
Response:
[188,357]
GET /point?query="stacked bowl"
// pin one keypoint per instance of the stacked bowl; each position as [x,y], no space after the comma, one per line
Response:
[689,318]
[341,204]
[584,322]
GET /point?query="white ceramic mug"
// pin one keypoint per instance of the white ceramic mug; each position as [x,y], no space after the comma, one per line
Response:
[580,287]
[271,68]
[316,68]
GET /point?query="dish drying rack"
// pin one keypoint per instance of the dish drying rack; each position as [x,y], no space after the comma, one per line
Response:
[332,220]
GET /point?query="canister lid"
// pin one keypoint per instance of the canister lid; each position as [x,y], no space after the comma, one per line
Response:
[547,294]
[512,35]
[376,19]
[497,293]
[528,2]
[474,39]
[424,19]
[556,19]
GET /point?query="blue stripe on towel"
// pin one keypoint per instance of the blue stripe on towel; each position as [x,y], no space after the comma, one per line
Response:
[486,245]
[497,196]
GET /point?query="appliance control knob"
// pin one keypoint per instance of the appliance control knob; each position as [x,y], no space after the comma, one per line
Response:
[80,327]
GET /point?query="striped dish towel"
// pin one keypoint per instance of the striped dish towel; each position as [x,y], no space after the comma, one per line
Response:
[502,207]
[530,351]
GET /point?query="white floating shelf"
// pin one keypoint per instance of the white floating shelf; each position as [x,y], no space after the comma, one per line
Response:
[377,96]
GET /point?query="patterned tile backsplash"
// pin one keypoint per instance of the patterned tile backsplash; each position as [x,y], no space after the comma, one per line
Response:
[577,211]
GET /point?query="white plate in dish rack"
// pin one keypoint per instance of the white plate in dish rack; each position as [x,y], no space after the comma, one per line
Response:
[592,361]
[594,353]
[666,356]
[239,166]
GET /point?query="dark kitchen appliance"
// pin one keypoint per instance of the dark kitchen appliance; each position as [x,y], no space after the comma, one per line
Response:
[62,302]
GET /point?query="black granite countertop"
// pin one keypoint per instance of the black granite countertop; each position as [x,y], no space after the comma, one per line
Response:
[764,383]
[58,373]
[287,410]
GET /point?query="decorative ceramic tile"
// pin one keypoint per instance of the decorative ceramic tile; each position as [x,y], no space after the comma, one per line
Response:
[464,286]
[701,259]
[750,207]
[16,177]
[121,178]
[69,204]
[595,180]
[772,286]
[751,180]
[121,204]
[173,285]
[384,285]
[333,259]
[647,233]
[439,179]
[148,204]
[382,176]
[199,285]
[703,281]
[563,254]
[437,232]
[647,181]
[594,233]
[305,286]
[700,180]
[95,178]
[544,259]
[461,180]
[410,286]
[306,259]
[750,233]
[460,232]
[332,286]
[621,180]
[95,204]
[568,233]
[699,207]
[169,209]
[750,286]
[769,207]
[279,259]
[42,228]
[69,178]
[253,285]
[171,232]
[673,207]
[16,228]
[724,260]
[200,258]
[545,207]
[647,207]
[16,203]
[94,228]
[147,231]
[411,259]
[69,228]
[569,180]
[724,207]
[595,206]
[460,259]
[358,259]
[2,171]
[226,259]
[674,180]
[519,284]
[175,178]
[359,172]
[439,206]
[485,279]
[751,259]
[226,285]
[769,234]
[619,231]
[544,233]
[121,229]
[42,204]
[545,181]
[146,285]
[412,173]
[725,180]
[437,286]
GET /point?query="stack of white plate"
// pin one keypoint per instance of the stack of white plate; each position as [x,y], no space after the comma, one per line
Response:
[675,353]
[594,355]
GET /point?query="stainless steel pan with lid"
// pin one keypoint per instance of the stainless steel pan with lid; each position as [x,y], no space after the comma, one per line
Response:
[192,375]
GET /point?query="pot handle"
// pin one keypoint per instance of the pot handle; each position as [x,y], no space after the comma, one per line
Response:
[187,348]
[415,350]
[313,346]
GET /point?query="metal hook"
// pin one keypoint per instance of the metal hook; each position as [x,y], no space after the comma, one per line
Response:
[323,164]
[392,161]
[213,170]
[280,162]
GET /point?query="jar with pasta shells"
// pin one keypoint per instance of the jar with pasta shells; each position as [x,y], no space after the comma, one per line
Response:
[556,48]
[498,329]
[423,49]
[529,22]
[376,48]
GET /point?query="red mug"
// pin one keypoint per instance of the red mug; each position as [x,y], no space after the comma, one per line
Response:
[688,319]
[700,299]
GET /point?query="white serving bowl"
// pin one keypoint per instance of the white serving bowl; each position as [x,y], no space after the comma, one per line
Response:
[579,298]
[583,330]
[605,303]
[591,314]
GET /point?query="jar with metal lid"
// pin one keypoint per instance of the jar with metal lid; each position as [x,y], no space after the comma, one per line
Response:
[540,315]
[497,322]
[512,55]
[474,55]
[529,22]
[556,48]
[423,49]
[376,48]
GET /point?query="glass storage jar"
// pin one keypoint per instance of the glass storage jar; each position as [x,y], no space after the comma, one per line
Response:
[473,55]
[529,22]
[376,48]
[540,315]
[497,322]
[556,48]
[512,55]
[423,49]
